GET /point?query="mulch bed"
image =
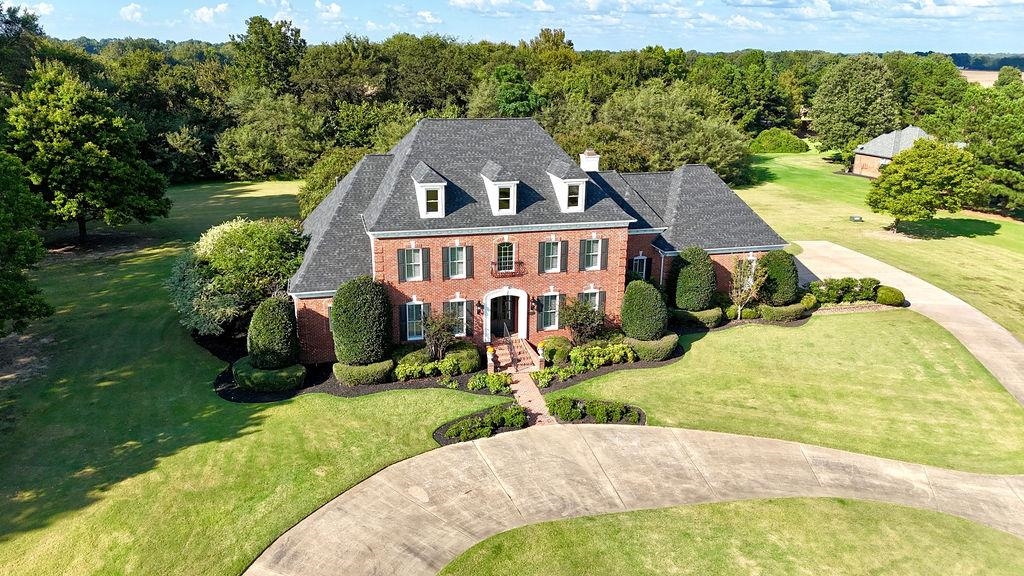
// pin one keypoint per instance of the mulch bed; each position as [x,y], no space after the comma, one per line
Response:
[320,379]
[443,440]
[590,419]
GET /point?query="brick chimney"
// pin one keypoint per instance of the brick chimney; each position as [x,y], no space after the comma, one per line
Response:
[590,160]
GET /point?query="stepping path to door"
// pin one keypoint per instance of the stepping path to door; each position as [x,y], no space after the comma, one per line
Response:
[994,346]
[415,516]
[527,395]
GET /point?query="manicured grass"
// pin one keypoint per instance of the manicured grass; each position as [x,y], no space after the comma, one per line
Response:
[797,536]
[978,258]
[891,384]
[122,460]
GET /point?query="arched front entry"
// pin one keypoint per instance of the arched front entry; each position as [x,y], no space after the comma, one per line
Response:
[505,301]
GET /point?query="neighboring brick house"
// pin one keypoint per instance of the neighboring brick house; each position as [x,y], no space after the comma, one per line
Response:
[491,220]
[869,158]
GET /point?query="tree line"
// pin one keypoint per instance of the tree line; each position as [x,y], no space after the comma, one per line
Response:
[97,130]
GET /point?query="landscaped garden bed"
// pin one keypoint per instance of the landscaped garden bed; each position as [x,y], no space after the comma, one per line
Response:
[483,424]
[582,411]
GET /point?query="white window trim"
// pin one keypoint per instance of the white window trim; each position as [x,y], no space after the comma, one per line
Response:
[492,196]
[497,256]
[558,257]
[419,256]
[464,263]
[597,263]
[634,260]
[421,199]
[408,306]
[558,297]
[597,297]
[465,315]
[562,193]
[579,196]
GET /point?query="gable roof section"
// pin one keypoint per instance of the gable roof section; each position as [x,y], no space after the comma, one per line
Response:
[424,174]
[460,149]
[892,143]
[339,248]
[495,173]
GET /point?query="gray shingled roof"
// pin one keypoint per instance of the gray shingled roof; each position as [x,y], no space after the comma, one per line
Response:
[424,174]
[496,173]
[458,149]
[892,143]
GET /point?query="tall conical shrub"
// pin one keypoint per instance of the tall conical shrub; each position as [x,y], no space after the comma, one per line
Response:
[695,284]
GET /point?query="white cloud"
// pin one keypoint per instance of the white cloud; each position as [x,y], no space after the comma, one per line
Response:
[40,9]
[206,14]
[540,6]
[427,17]
[330,12]
[131,12]
[604,19]
[374,27]
[742,22]
[481,5]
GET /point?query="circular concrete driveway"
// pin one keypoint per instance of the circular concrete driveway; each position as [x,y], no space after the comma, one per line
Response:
[416,516]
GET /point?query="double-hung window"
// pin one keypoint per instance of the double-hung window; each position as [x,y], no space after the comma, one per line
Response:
[504,199]
[414,320]
[413,264]
[639,266]
[591,254]
[573,200]
[456,261]
[592,298]
[506,257]
[457,308]
[552,254]
[433,201]
[549,312]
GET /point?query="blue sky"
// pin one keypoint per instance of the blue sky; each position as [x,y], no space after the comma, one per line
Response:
[707,25]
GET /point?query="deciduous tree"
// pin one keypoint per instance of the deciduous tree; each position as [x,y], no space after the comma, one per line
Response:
[855,102]
[20,248]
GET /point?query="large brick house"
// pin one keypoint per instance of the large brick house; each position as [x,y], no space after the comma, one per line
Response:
[491,220]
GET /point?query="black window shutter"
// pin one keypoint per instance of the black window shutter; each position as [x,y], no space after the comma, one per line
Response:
[604,253]
[403,332]
[561,302]
[583,248]
[444,262]
[564,259]
[540,313]
[600,300]
[469,317]
[448,307]
[580,295]
[469,261]
[425,261]
[540,258]
[647,268]
[401,267]
[426,314]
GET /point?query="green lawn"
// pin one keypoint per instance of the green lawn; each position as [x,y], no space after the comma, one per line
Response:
[122,460]
[978,258]
[757,537]
[891,384]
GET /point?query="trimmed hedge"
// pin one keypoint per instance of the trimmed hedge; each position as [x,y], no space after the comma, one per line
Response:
[353,375]
[695,284]
[466,356]
[573,409]
[474,427]
[710,318]
[774,140]
[644,314]
[556,349]
[271,341]
[889,296]
[654,350]
[781,279]
[836,290]
[782,313]
[361,321]
[251,378]
[749,313]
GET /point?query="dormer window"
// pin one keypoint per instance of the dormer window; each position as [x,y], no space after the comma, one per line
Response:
[504,199]
[570,184]
[573,199]
[429,191]
[433,201]
[501,188]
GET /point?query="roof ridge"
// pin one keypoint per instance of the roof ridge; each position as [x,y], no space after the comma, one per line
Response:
[399,153]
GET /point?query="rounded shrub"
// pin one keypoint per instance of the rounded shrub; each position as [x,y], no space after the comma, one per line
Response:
[556,349]
[709,318]
[775,140]
[781,280]
[644,315]
[889,296]
[251,378]
[809,301]
[271,341]
[787,313]
[361,321]
[695,282]
[653,350]
[354,375]
[466,356]
[749,313]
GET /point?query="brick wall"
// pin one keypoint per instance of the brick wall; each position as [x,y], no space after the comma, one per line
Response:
[869,166]
[314,330]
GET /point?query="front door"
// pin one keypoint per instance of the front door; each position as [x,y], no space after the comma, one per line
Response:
[503,315]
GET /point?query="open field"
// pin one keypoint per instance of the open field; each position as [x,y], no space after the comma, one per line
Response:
[756,537]
[976,257]
[986,78]
[891,384]
[122,460]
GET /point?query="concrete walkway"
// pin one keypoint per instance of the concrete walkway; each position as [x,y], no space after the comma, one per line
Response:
[994,346]
[416,516]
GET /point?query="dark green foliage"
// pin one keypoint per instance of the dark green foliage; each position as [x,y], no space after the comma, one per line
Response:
[354,375]
[466,356]
[439,333]
[574,409]
[775,140]
[654,350]
[787,313]
[321,178]
[695,283]
[781,279]
[855,102]
[514,96]
[644,314]
[710,318]
[1008,76]
[251,378]
[605,412]
[361,321]
[583,321]
[467,429]
[267,54]
[20,248]
[272,342]
[566,409]
[507,416]
[889,296]
[556,349]
[836,290]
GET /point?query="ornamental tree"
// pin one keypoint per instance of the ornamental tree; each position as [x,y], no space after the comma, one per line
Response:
[928,177]
[582,319]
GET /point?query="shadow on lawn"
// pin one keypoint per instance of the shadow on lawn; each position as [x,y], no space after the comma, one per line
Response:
[757,173]
[940,228]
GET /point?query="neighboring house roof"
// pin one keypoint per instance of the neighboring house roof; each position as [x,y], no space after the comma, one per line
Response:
[890,144]
[695,206]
